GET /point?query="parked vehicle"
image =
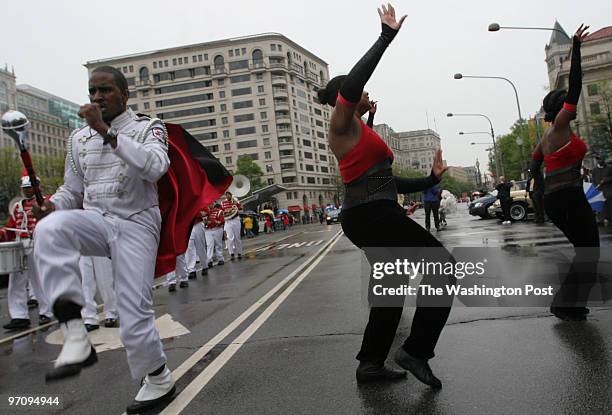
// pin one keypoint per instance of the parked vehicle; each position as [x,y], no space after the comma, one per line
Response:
[521,206]
[480,206]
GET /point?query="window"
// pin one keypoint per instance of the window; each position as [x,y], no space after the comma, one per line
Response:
[592,89]
[252,156]
[194,59]
[145,93]
[266,141]
[228,160]
[325,181]
[220,82]
[595,110]
[241,91]
[244,131]
[223,107]
[225,133]
[242,104]
[174,61]
[125,69]
[154,65]
[238,65]
[221,94]
[180,61]
[166,63]
[324,170]
[262,102]
[146,105]
[259,76]
[280,48]
[206,56]
[205,136]
[310,180]
[263,115]
[198,124]
[224,120]
[237,52]
[273,47]
[131,68]
[243,51]
[240,78]
[183,100]
[260,89]
[230,53]
[182,87]
[264,128]
[322,157]
[213,148]
[227,146]
[289,195]
[307,155]
[320,135]
[244,117]
[257,56]
[219,62]
[199,58]
[307,143]
[309,167]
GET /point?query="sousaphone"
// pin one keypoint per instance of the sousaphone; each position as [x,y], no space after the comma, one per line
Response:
[240,187]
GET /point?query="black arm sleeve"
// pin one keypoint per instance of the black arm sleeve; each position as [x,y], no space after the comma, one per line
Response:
[352,87]
[407,185]
[370,119]
[536,173]
[575,75]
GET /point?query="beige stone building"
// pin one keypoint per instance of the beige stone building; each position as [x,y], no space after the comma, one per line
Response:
[51,118]
[594,102]
[412,149]
[250,96]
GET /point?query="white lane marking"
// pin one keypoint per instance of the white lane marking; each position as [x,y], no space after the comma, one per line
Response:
[105,339]
[296,245]
[181,401]
[206,348]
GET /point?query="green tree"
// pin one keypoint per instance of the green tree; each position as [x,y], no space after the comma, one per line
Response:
[247,167]
[455,186]
[600,141]
[515,158]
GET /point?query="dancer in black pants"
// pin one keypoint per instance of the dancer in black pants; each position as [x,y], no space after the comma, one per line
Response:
[371,217]
[566,205]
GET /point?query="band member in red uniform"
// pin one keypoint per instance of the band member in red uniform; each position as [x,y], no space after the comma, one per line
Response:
[23,218]
[214,234]
[371,217]
[231,208]
[562,151]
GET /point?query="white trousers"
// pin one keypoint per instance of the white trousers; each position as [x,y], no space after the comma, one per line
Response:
[180,271]
[214,244]
[18,291]
[65,235]
[232,229]
[97,272]
[197,248]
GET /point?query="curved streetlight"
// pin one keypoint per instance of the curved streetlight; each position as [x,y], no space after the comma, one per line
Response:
[495,27]
[477,144]
[497,161]
[474,132]
[518,106]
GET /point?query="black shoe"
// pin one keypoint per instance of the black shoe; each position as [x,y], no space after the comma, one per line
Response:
[193,275]
[73,369]
[183,284]
[42,319]
[210,264]
[17,324]
[232,257]
[110,322]
[220,263]
[418,367]
[137,407]
[239,256]
[372,372]
[205,272]
[91,327]
[438,229]
[570,313]
[171,288]
[32,303]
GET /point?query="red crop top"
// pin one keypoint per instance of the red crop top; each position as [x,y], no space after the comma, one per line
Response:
[368,152]
[568,155]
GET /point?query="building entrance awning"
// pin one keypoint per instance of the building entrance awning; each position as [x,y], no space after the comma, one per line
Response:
[262,195]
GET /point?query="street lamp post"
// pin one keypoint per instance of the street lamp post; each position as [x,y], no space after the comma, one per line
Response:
[522,131]
[498,169]
[495,27]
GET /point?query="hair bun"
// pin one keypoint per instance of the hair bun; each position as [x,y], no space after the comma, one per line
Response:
[322,96]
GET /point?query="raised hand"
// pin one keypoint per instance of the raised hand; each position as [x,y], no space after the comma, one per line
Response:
[42,211]
[93,116]
[581,33]
[373,105]
[438,164]
[387,16]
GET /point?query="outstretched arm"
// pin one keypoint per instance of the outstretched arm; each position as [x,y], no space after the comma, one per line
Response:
[352,88]
[575,83]
[371,112]
[410,185]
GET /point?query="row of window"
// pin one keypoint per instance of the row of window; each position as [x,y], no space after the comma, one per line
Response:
[183,60]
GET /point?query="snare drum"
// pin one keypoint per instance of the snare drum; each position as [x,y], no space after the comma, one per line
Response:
[12,257]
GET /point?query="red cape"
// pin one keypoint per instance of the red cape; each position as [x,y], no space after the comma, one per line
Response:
[195,179]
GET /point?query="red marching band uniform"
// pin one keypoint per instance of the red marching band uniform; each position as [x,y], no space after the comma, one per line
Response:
[214,218]
[21,218]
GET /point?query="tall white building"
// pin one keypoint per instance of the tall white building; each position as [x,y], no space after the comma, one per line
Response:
[250,96]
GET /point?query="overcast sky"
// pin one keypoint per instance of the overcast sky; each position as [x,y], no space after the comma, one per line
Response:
[48,42]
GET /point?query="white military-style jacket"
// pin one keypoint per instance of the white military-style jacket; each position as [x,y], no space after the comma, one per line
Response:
[120,182]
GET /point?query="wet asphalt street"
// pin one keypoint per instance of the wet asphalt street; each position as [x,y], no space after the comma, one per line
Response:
[277,333]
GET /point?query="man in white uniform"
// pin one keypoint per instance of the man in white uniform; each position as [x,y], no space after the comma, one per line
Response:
[196,249]
[108,206]
[97,272]
[180,272]
[231,208]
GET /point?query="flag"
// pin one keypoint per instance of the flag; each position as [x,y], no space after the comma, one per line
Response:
[195,179]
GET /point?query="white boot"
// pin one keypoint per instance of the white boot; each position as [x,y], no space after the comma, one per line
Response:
[77,351]
[154,390]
